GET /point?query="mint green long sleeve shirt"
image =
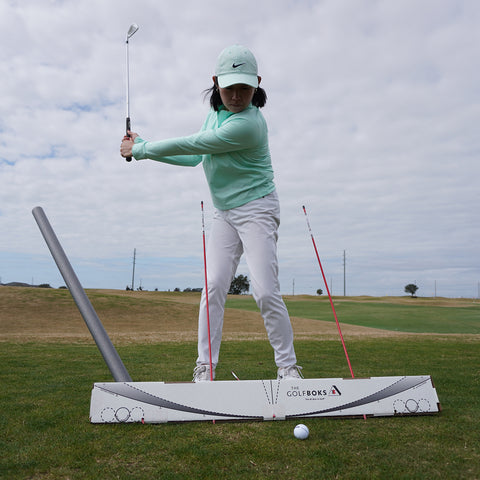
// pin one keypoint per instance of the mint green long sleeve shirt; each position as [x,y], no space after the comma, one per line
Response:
[233,148]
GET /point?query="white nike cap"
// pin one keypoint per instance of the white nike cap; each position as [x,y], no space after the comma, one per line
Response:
[236,64]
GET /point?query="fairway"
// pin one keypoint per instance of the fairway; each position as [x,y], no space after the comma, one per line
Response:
[49,363]
[400,314]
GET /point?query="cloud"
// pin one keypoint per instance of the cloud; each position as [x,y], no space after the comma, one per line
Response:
[372,110]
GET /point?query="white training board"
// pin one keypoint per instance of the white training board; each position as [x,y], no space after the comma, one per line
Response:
[159,402]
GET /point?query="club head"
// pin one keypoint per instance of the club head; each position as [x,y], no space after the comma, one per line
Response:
[133,28]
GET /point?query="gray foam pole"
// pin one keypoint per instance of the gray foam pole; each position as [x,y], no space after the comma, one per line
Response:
[104,344]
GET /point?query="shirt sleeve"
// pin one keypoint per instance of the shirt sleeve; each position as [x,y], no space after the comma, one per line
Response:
[236,133]
[146,150]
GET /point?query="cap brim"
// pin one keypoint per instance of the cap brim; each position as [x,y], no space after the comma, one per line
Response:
[236,78]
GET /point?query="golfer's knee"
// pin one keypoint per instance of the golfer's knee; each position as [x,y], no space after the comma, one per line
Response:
[266,300]
[217,286]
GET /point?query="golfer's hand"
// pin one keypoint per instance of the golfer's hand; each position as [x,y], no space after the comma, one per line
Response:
[126,147]
[132,135]
[127,144]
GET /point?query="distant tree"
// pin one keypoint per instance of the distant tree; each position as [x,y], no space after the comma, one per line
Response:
[239,285]
[44,285]
[176,289]
[411,288]
[319,291]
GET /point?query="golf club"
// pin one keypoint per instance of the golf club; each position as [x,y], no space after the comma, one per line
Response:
[133,28]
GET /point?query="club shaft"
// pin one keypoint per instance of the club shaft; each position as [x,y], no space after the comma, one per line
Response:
[127,63]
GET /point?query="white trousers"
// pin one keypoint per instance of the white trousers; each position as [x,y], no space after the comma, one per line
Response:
[250,229]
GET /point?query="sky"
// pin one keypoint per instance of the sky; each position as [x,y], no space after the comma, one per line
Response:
[373,113]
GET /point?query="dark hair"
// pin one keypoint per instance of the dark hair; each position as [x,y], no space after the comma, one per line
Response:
[259,97]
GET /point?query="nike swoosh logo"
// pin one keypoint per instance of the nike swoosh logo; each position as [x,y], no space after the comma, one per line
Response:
[238,65]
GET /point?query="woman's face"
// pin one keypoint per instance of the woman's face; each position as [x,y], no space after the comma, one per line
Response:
[236,97]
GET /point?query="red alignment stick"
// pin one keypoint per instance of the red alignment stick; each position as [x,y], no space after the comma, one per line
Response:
[328,291]
[206,294]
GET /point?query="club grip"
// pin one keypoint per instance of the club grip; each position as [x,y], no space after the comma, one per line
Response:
[127,129]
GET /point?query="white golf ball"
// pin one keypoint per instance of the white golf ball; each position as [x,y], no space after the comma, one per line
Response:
[301,431]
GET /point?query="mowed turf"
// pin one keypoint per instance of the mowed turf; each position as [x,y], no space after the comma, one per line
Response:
[401,314]
[46,388]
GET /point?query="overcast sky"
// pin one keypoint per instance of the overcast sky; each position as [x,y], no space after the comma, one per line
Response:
[373,111]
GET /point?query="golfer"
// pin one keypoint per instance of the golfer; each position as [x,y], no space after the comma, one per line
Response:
[233,147]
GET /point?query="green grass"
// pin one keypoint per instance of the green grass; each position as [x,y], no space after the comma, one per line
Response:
[387,316]
[46,433]
[46,390]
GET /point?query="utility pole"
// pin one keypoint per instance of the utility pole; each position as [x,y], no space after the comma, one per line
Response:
[133,272]
[344,275]
[293,287]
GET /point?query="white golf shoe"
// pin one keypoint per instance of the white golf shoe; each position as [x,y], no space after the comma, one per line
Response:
[294,371]
[201,373]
